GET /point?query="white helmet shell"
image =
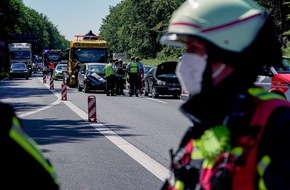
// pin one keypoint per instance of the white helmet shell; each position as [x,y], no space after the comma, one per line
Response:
[229,24]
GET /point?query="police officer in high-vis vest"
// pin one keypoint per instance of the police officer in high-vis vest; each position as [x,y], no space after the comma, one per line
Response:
[110,78]
[23,163]
[133,73]
[239,139]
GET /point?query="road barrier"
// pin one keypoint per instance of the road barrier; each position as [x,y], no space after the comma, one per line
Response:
[44,78]
[51,83]
[63,91]
[92,113]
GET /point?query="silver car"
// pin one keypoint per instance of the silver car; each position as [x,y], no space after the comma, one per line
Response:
[91,76]
[59,70]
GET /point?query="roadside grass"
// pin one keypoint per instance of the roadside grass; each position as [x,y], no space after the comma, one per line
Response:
[154,62]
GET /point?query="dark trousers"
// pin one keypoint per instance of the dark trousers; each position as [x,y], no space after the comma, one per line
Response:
[119,86]
[133,80]
[110,85]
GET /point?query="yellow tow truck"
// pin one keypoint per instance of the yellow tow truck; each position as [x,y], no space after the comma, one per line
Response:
[86,48]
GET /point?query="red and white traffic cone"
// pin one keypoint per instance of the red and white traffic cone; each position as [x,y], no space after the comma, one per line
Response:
[92,113]
[63,91]
[51,83]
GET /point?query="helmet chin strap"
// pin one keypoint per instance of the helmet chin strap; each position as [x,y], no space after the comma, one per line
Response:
[220,72]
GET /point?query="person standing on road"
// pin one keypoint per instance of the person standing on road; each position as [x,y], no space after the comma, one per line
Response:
[240,133]
[133,72]
[24,165]
[51,68]
[140,75]
[76,70]
[119,78]
[110,78]
[124,78]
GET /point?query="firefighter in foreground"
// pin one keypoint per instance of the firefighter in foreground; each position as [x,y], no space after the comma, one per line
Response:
[240,133]
[25,165]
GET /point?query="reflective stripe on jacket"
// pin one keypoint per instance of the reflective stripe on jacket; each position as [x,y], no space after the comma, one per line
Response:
[30,146]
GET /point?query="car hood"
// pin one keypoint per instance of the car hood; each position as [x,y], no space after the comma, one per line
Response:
[166,68]
[166,76]
[96,77]
[19,69]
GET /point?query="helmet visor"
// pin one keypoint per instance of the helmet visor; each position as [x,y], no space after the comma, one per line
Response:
[173,39]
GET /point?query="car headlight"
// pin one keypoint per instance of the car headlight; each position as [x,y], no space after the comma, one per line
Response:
[25,71]
[161,83]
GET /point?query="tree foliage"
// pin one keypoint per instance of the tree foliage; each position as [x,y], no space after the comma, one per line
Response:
[16,18]
[135,26]
[132,26]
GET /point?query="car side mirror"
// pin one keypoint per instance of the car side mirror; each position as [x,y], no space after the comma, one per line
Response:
[82,72]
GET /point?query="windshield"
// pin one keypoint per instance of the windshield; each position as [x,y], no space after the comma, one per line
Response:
[90,55]
[97,68]
[286,63]
[61,67]
[18,66]
[54,57]
[20,54]
[146,69]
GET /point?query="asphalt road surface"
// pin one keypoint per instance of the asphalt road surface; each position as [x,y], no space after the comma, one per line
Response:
[126,148]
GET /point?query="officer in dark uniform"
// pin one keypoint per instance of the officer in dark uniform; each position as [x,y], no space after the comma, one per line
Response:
[119,74]
[26,166]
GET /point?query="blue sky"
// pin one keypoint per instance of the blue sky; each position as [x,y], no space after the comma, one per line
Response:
[73,16]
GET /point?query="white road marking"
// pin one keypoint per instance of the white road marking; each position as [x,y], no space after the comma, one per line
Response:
[40,109]
[152,99]
[146,161]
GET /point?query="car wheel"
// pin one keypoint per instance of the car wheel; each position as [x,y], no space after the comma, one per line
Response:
[68,83]
[175,96]
[154,93]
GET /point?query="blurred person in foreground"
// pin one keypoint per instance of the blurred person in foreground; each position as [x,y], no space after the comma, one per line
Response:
[240,133]
[25,165]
